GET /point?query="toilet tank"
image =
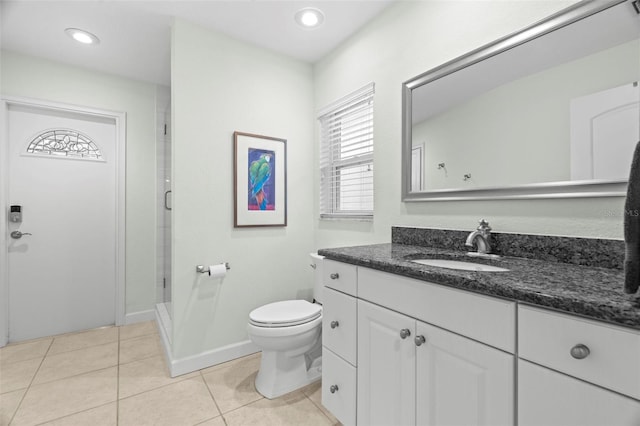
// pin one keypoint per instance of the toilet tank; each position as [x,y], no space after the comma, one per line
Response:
[318,287]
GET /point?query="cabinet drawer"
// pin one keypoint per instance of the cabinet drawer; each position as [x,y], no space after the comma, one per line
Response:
[339,324]
[340,276]
[549,398]
[483,318]
[547,338]
[339,373]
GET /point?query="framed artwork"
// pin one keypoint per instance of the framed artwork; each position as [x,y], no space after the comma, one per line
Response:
[259,180]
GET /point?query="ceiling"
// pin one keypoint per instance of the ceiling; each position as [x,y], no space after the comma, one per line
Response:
[135,35]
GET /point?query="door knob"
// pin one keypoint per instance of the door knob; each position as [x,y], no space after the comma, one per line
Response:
[404,333]
[334,324]
[419,340]
[333,388]
[16,235]
[334,276]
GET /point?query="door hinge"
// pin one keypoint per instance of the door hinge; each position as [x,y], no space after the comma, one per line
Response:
[165,129]
[164,283]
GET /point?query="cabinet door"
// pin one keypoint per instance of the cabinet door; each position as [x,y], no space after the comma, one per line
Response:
[462,382]
[386,367]
[548,398]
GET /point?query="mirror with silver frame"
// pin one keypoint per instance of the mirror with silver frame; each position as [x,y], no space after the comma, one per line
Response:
[550,111]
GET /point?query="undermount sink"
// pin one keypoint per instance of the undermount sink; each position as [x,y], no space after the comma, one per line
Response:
[459,265]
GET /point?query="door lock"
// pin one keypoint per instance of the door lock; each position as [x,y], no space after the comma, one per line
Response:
[16,235]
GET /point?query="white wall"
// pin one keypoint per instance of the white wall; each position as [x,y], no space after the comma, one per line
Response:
[404,41]
[220,85]
[539,154]
[42,79]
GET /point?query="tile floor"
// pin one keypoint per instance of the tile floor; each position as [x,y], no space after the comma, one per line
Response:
[117,376]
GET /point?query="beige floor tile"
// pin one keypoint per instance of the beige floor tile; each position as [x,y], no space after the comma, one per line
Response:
[234,385]
[50,401]
[140,348]
[76,362]
[106,415]
[292,409]
[314,393]
[144,375]
[218,421]
[18,375]
[83,339]
[230,363]
[24,351]
[9,404]
[184,403]
[138,329]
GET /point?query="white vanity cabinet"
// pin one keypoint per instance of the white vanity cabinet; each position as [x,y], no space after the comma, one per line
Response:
[450,377]
[576,372]
[410,372]
[416,353]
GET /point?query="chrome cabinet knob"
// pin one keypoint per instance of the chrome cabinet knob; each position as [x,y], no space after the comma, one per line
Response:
[580,351]
[333,388]
[334,276]
[334,324]
[404,333]
[419,340]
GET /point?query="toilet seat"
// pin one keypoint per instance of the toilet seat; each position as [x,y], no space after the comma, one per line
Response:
[285,313]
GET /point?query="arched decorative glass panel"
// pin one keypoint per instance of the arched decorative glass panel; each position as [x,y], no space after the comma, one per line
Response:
[64,143]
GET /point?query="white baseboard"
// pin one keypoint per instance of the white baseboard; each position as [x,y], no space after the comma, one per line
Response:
[206,359]
[178,367]
[140,316]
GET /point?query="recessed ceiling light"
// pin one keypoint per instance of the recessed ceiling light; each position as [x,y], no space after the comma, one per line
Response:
[82,36]
[309,17]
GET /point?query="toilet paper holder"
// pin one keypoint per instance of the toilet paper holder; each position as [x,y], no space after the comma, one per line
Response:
[205,269]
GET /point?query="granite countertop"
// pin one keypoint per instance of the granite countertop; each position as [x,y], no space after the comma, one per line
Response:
[592,292]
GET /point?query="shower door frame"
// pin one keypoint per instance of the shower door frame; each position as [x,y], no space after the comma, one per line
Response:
[120,189]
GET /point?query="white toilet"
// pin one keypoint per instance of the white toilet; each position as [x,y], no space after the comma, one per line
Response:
[290,336]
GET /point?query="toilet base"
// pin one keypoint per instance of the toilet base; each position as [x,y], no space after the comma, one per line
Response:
[280,374]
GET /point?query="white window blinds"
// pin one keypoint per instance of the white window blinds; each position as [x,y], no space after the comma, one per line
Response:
[346,156]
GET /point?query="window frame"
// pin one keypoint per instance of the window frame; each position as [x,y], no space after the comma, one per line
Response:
[333,160]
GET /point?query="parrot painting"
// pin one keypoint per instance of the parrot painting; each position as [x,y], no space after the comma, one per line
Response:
[259,174]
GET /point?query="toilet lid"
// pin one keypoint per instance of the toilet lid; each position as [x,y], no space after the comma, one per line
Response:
[285,313]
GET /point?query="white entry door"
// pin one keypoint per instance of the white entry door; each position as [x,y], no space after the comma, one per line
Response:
[62,277]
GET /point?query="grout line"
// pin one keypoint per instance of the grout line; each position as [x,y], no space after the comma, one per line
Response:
[83,347]
[139,336]
[30,382]
[73,414]
[139,359]
[173,382]
[212,397]
[212,418]
[73,375]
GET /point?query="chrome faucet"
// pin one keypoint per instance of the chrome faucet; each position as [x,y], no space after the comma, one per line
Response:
[481,237]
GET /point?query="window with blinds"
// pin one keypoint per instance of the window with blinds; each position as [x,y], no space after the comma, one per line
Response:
[346,156]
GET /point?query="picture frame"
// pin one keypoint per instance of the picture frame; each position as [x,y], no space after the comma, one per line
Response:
[259,180]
